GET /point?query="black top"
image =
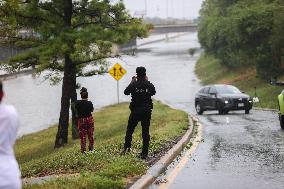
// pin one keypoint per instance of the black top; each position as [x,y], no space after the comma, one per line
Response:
[141,92]
[84,108]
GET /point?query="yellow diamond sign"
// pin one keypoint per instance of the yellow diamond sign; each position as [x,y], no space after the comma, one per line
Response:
[117,71]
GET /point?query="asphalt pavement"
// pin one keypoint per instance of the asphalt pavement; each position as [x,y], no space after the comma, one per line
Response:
[237,151]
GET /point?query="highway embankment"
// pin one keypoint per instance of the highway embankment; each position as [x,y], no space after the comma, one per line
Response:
[104,167]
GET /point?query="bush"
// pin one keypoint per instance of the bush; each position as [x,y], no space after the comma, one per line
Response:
[192,51]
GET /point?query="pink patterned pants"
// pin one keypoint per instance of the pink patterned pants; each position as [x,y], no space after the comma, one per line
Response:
[86,128]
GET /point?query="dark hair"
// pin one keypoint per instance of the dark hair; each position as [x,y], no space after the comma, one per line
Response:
[84,92]
[141,72]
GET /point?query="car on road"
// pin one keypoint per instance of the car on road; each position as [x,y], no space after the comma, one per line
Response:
[223,98]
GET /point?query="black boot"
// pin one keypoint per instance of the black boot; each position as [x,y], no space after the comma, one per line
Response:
[124,151]
[143,155]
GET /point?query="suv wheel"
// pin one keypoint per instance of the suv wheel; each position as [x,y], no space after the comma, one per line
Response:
[247,111]
[220,108]
[198,108]
[221,112]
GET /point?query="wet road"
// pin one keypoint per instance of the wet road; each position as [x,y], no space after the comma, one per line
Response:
[239,151]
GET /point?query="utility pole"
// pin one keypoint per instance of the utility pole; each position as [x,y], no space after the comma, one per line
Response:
[146,8]
[167,11]
[184,9]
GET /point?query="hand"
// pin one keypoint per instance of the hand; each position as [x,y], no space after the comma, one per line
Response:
[134,78]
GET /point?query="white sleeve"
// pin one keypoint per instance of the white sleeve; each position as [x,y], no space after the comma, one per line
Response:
[4,123]
[9,124]
[14,123]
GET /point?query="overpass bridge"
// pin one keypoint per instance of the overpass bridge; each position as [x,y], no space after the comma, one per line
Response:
[175,28]
[8,51]
[131,46]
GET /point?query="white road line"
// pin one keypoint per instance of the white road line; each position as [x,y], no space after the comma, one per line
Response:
[183,161]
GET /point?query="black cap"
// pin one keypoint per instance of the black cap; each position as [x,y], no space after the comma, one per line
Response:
[141,71]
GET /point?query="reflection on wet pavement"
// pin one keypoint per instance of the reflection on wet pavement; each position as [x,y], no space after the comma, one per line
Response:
[247,153]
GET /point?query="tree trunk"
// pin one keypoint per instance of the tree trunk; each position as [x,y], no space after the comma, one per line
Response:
[75,133]
[69,82]
[67,89]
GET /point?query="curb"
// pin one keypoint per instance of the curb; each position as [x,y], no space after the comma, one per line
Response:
[159,167]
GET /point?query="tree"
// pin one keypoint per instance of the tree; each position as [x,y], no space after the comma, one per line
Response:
[244,33]
[192,51]
[65,36]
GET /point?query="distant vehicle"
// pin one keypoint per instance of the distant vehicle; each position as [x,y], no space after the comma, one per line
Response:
[223,98]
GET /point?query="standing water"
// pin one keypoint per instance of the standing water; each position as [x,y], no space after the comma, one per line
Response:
[169,67]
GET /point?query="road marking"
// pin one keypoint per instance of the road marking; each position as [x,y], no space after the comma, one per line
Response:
[227,120]
[183,161]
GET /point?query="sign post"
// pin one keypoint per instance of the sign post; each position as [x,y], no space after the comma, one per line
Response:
[117,72]
[118,92]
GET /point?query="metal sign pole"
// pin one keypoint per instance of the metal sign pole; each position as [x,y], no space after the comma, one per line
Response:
[117,91]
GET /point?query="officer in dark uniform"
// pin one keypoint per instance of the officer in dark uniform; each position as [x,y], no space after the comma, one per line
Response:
[141,107]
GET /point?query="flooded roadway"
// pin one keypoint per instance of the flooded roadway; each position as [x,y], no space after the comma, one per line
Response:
[239,151]
[168,67]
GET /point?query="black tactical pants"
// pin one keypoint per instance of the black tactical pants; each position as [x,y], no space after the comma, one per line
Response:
[134,118]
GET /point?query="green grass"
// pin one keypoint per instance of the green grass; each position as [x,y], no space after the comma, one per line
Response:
[210,71]
[104,167]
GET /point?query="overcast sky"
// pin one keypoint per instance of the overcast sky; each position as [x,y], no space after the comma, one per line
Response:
[176,8]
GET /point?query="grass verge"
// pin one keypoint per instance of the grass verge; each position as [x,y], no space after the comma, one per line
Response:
[210,71]
[104,167]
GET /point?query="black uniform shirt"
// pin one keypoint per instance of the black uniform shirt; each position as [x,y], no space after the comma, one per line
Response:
[84,108]
[141,92]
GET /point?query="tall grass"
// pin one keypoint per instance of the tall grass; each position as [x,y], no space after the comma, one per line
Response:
[104,167]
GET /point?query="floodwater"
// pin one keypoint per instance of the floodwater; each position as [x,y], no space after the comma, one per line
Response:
[168,67]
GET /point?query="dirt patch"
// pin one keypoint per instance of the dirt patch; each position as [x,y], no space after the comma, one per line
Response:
[39,180]
[246,75]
